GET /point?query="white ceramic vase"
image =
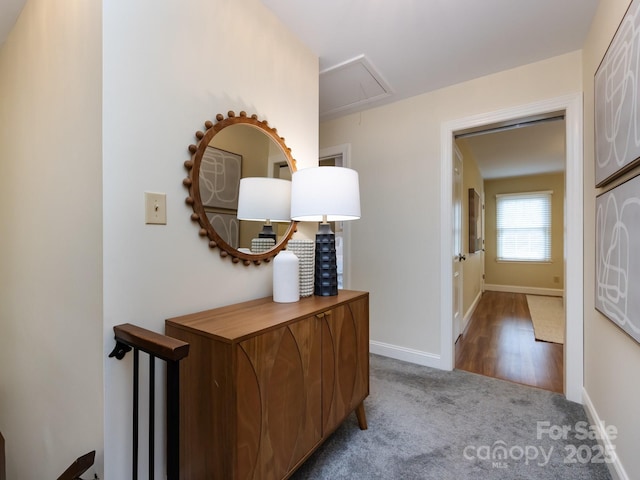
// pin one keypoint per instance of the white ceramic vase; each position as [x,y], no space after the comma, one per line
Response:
[286,287]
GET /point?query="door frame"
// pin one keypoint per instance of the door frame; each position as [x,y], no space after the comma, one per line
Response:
[573,245]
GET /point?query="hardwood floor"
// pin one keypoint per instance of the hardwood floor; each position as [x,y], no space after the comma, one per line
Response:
[499,342]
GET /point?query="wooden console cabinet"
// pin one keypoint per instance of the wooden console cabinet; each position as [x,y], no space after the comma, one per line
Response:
[266,383]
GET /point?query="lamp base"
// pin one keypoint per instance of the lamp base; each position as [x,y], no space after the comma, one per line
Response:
[326,270]
[267,232]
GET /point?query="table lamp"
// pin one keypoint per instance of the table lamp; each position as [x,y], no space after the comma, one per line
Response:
[325,194]
[265,200]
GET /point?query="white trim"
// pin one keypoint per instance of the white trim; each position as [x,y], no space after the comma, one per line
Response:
[447,351]
[524,194]
[343,149]
[418,357]
[574,260]
[472,308]
[551,292]
[525,262]
[572,105]
[615,467]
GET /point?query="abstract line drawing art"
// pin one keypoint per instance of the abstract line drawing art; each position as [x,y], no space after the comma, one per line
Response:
[618,256]
[220,173]
[617,106]
[219,183]
[227,226]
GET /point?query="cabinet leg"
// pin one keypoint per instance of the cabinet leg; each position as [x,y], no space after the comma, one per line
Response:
[361,416]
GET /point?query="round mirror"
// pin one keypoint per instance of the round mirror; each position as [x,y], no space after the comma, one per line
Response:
[232,149]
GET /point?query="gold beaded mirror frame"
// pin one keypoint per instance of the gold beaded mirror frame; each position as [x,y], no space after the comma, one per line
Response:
[206,140]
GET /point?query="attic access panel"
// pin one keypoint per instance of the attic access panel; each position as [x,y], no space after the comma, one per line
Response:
[350,84]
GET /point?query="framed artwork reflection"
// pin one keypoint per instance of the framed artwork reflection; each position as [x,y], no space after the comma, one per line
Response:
[475,221]
[220,173]
[227,226]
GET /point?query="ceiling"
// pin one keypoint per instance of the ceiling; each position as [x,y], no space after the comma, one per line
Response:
[415,46]
[532,149]
[373,52]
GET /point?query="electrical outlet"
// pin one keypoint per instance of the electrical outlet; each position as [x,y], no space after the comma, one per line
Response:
[155,208]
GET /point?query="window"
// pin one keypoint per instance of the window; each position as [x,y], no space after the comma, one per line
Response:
[524,227]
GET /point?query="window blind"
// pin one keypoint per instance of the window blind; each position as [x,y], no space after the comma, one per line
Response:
[524,226]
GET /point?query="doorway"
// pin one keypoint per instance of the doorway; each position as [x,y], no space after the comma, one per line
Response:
[519,166]
[338,156]
[571,105]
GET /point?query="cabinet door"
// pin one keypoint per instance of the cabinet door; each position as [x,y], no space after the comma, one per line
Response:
[345,361]
[278,399]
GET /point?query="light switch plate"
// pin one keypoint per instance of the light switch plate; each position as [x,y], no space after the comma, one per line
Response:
[155,208]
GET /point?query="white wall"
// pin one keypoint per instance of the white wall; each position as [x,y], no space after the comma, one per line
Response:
[396,149]
[611,356]
[168,67]
[51,238]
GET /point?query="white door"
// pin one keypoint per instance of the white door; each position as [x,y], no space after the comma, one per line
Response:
[483,237]
[457,254]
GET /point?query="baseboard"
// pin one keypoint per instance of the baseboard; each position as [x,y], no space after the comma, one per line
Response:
[469,312]
[552,292]
[406,354]
[615,467]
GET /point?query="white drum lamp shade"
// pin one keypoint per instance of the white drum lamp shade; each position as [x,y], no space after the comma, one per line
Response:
[325,194]
[266,200]
[263,198]
[317,192]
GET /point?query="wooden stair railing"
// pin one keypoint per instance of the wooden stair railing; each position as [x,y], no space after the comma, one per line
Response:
[74,471]
[170,350]
[77,468]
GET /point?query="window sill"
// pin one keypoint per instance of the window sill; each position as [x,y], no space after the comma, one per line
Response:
[527,262]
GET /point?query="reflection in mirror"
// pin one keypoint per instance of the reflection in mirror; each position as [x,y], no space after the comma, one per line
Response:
[264,200]
[233,149]
[220,173]
[245,152]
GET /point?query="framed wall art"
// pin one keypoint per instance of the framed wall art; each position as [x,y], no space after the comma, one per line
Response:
[475,221]
[618,256]
[617,102]
[227,226]
[220,173]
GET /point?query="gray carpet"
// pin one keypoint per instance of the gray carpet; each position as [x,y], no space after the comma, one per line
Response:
[429,424]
